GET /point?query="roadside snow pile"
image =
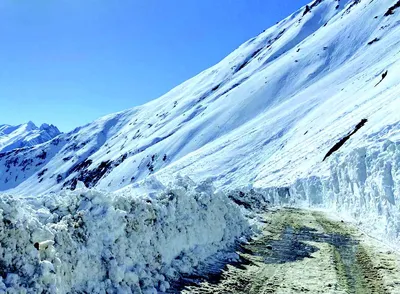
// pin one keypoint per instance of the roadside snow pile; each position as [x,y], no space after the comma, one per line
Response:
[259,200]
[91,241]
[364,184]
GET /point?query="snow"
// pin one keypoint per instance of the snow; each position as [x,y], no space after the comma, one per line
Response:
[25,135]
[266,114]
[364,185]
[257,125]
[123,242]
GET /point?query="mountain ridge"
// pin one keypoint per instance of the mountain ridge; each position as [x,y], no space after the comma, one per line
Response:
[25,135]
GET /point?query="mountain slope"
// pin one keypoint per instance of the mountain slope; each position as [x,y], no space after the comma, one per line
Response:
[25,135]
[266,114]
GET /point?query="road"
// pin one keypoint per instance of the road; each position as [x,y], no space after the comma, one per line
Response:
[301,251]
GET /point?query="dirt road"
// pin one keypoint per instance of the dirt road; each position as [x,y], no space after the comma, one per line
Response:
[301,251]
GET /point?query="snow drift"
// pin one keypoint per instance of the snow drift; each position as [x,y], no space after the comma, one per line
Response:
[91,241]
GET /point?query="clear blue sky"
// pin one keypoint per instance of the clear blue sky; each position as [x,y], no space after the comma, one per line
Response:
[68,62]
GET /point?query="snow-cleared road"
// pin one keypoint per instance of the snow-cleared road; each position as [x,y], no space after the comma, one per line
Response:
[306,251]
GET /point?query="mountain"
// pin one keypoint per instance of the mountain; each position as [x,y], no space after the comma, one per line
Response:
[25,135]
[305,115]
[270,112]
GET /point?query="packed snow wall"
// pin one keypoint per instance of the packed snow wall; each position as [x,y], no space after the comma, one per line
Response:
[95,242]
[363,184]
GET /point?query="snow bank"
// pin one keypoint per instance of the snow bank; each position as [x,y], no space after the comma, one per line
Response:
[107,243]
[259,200]
[364,184]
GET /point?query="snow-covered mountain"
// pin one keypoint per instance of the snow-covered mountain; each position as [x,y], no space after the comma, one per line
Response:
[306,114]
[25,135]
[267,114]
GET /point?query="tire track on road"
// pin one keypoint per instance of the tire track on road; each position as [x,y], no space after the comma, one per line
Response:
[302,251]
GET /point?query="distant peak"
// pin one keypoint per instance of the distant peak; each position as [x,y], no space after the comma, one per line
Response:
[31,126]
[50,129]
[45,126]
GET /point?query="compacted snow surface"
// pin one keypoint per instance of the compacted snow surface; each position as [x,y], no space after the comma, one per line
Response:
[258,125]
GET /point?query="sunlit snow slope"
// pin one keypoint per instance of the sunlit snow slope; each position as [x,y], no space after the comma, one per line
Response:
[266,114]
